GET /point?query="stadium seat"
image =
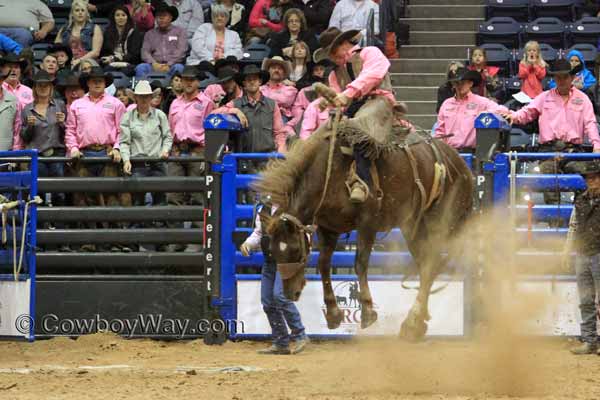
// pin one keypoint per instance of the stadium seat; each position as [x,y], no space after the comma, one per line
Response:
[586,30]
[551,31]
[59,22]
[503,30]
[159,76]
[102,23]
[513,84]
[498,55]
[519,139]
[549,53]
[121,80]
[562,9]
[60,8]
[516,9]
[589,53]
[39,51]
[255,54]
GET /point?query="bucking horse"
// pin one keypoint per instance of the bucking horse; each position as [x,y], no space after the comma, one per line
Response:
[421,185]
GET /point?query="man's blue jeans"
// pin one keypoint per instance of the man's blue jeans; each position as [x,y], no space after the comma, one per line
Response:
[587,269]
[20,35]
[278,308]
[142,70]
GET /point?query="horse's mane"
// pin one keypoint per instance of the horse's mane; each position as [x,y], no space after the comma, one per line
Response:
[282,177]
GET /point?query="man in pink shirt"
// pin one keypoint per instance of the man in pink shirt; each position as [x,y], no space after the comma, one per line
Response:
[276,89]
[93,130]
[565,117]
[361,79]
[14,66]
[456,118]
[186,118]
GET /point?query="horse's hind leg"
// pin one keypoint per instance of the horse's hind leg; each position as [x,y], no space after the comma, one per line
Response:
[366,238]
[327,242]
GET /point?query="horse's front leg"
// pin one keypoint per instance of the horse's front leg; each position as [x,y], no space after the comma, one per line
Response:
[366,238]
[327,242]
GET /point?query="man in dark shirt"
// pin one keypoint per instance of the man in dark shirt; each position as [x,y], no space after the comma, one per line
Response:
[585,236]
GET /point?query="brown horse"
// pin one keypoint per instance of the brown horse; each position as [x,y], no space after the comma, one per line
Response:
[297,186]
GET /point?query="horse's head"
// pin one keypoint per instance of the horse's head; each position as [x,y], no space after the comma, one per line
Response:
[290,246]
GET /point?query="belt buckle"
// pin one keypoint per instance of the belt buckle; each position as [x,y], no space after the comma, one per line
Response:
[48,153]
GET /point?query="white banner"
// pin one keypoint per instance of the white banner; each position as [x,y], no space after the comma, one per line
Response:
[14,308]
[391,302]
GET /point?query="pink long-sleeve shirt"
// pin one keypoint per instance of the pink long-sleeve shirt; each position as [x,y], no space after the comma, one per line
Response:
[457,118]
[562,120]
[23,93]
[284,96]
[313,118]
[532,76]
[258,13]
[187,118]
[374,67]
[300,105]
[94,122]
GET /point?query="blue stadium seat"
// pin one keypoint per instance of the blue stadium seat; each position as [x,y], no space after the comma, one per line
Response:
[159,76]
[562,9]
[513,84]
[255,54]
[503,30]
[549,53]
[586,30]
[102,23]
[498,55]
[121,80]
[551,31]
[516,9]
[60,8]
[39,51]
[589,53]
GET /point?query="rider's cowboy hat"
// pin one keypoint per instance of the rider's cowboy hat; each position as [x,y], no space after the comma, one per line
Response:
[583,167]
[164,7]
[286,65]
[563,67]
[331,38]
[463,74]
[96,72]
[252,70]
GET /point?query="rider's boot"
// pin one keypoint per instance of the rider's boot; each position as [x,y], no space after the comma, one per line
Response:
[358,193]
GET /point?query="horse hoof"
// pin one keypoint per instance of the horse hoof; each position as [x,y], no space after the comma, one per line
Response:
[334,319]
[367,317]
[413,329]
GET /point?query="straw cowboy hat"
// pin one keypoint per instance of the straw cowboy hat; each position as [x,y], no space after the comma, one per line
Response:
[331,39]
[143,88]
[287,66]
[463,74]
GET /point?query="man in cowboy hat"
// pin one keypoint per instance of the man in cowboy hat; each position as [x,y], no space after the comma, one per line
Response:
[13,65]
[275,89]
[230,62]
[165,46]
[226,77]
[456,118]
[186,119]
[584,238]
[145,132]
[565,117]
[565,114]
[69,88]
[10,116]
[258,113]
[361,79]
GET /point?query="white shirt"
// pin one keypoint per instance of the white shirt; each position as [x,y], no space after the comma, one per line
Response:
[191,15]
[352,14]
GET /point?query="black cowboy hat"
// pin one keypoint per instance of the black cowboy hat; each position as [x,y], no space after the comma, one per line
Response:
[226,74]
[463,74]
[191,71]
[227,62]
[164,7]
[583,167]
[96,72]
[206,66]
[61,47]
[564,67]
[331,38]
[42,77]
[65,80]
[12,58]
[252,70]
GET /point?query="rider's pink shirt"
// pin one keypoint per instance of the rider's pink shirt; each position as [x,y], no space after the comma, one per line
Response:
[568,121]
[457,118]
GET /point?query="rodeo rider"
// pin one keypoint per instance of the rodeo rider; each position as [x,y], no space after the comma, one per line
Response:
[279,309]
[362,74]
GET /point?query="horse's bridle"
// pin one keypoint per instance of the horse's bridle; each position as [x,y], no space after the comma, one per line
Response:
[287,270]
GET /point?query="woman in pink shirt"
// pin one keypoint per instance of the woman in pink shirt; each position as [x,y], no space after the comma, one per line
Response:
[532,69]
